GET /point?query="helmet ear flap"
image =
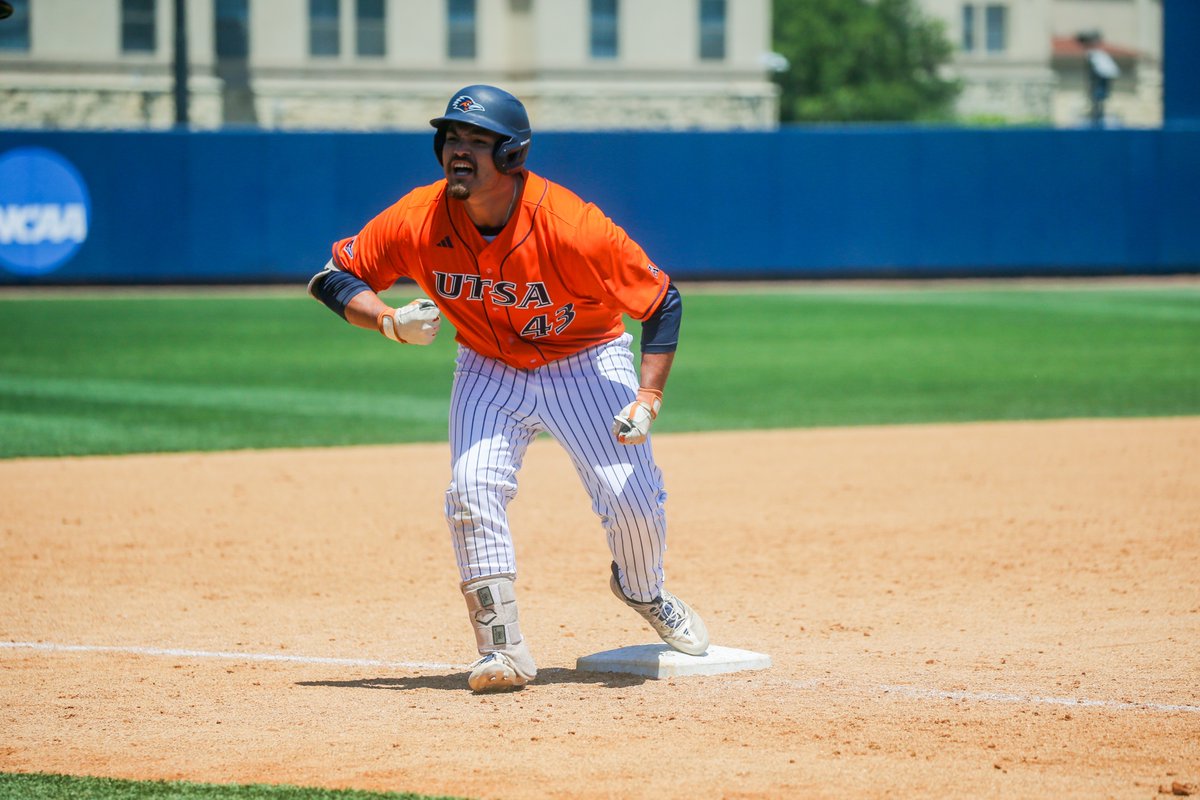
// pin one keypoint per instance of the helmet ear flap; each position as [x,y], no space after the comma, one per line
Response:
[439,142]
[508,159]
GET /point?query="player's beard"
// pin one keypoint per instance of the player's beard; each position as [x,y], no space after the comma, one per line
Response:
[457,191]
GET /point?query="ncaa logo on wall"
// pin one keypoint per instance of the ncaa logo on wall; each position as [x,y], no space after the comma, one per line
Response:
[44,211]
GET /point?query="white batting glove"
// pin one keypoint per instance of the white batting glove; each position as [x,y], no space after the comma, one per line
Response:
[416,323]
[632,425]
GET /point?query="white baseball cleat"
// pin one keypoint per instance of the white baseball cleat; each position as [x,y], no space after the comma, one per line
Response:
[671,618]
[495,672]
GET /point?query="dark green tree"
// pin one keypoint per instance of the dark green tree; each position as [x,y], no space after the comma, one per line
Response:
[860,61]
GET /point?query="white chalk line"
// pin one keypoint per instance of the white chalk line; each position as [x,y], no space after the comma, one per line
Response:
[918,693]
[914,692]
[232,656]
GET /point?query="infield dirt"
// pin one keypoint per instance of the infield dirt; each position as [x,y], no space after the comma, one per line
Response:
[998,610]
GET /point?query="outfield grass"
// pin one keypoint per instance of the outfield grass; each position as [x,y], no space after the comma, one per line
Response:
[62,787]
[101,373]
[931,355]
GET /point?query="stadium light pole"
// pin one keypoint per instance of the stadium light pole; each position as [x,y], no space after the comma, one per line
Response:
[181,65]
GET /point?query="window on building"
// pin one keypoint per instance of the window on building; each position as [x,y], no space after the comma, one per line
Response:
[137,26]
[995,25]
[968,28]
[994,28]
[233,29]
[460,14]
[324,33]
[369,27]
[232,43]
[712,30]
[604,29]
[14,31]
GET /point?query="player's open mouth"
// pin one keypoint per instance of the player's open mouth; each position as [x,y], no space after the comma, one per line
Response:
[461,169]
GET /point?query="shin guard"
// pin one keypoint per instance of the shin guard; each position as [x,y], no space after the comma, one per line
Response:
[492,604]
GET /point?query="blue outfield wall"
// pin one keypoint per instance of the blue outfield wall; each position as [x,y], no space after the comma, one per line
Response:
[255,206]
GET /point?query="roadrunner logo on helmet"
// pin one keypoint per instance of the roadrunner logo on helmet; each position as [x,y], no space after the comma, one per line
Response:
[465,103]
[493,110]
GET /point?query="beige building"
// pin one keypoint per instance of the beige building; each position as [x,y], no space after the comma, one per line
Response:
[583,64]
[388,64]
[1020,60]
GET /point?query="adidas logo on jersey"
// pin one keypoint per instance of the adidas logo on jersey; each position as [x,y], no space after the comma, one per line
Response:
[445,243]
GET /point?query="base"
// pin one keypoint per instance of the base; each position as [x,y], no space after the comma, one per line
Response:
[660,661]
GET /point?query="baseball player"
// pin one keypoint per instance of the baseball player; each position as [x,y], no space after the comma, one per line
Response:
[535,281]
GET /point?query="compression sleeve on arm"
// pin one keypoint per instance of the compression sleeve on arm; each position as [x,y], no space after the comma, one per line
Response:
[660,332]
[336,288]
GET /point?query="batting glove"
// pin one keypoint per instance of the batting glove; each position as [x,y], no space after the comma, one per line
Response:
[632,425]
[416,323]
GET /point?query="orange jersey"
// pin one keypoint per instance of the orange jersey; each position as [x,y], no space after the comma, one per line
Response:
[556,280]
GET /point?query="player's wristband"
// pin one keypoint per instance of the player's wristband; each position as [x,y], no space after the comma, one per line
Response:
[386,323]
[652,398]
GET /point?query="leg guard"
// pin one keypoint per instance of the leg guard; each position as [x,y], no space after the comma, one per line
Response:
[507,662]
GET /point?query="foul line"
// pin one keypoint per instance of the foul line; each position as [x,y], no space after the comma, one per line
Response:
[1004,697]
[917,693]
[234,656]
[913,692]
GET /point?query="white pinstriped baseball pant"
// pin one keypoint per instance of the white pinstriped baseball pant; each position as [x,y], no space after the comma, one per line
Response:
[497,410]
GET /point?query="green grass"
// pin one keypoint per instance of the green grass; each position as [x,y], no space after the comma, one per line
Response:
[929,355]
[82,375]
[63,787]
[103,373]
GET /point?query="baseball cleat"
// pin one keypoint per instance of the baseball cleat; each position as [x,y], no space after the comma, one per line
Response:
[495,672]
[672,619]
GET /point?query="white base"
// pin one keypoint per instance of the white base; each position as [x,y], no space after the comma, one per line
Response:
[660,661]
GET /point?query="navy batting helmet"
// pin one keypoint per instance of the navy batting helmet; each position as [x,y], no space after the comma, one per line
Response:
[493,110]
